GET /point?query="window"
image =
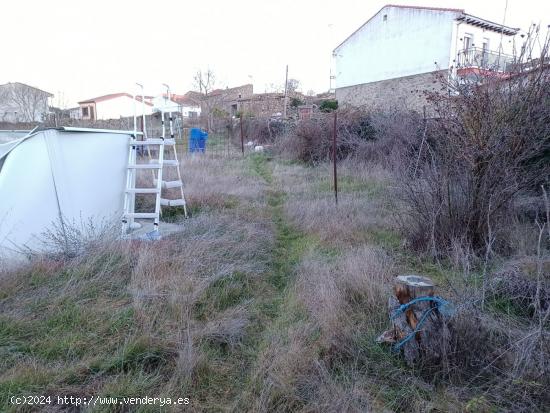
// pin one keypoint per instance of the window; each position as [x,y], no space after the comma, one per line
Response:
[468,41]
[385,17]
[485,52]
[85,112]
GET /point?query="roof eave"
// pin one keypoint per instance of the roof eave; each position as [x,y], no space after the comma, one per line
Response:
[487,24]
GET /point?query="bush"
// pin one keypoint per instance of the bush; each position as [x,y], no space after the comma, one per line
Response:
[295,102]
[375,136]
[328,105]
[483,151]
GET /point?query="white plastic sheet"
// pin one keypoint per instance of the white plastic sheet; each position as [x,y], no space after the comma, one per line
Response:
[77,175]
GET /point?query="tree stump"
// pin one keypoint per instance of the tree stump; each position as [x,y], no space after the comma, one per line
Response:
[431,341]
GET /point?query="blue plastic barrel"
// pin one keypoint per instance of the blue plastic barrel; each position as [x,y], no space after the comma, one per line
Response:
[197,140]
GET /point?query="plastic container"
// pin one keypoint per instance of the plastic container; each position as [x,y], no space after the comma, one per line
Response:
[197,140]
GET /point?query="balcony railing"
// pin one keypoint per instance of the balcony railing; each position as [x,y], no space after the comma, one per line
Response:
[478,58]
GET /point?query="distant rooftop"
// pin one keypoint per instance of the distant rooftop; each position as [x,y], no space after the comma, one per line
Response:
[24,84]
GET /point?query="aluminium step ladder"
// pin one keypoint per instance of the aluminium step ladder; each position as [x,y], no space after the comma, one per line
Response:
[129,215]
[156,166]
[173,162]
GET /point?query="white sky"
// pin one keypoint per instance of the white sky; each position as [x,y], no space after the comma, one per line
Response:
[82,49]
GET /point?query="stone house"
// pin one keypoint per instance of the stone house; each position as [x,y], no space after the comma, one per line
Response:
[23,103]
[224,101]
[397,55]
[242,99]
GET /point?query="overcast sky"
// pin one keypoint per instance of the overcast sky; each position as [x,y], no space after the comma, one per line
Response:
[83,49]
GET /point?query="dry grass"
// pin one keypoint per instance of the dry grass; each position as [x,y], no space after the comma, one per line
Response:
[334,289]
[364,201]
[220,182]
[136,318]
[269,299]
[142,309]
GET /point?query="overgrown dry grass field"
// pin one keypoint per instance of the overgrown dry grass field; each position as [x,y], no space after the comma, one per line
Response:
[269,299]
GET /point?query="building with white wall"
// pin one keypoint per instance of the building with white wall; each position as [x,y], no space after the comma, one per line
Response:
[392,59]
[182,104]
[114,106]
[23,103]
[189,103]
[162,103]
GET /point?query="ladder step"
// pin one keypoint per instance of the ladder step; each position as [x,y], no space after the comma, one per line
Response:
[153,142]
[145,166]
[166,162]
[172,202]
[171,184]
[143,191]
[177,202]
[140,215]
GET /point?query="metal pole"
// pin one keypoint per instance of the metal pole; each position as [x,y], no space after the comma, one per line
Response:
[335,175]
[242,137]
[286,92]
[142,110]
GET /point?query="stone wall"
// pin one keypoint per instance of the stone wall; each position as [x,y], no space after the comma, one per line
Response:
[263,105]
[407,93]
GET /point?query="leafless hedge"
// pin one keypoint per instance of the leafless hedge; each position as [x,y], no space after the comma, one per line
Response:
[488,147]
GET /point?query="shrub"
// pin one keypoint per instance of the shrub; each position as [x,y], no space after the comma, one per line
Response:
[295,102]
[483,151]
[328,105]
[368,136]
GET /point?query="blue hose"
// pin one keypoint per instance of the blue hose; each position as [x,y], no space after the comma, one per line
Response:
[443,306]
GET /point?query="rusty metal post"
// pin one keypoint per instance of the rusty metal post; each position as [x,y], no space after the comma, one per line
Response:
[335,174]
[242,137]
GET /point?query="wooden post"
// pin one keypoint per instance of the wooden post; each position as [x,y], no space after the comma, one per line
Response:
[286,93]
[409,287]
[432,339]
[242,137]
[335,174]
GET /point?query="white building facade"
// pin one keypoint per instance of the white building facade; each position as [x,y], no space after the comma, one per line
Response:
[23,103]
[114,106]
[392,59]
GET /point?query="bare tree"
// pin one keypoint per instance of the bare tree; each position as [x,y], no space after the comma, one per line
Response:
[204,82]
[31,103]
[28,102]
[292,86]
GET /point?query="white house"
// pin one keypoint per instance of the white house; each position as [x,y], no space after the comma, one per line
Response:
[189,104]
[114,106]
[391,59]
[23,103]
[162,103]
